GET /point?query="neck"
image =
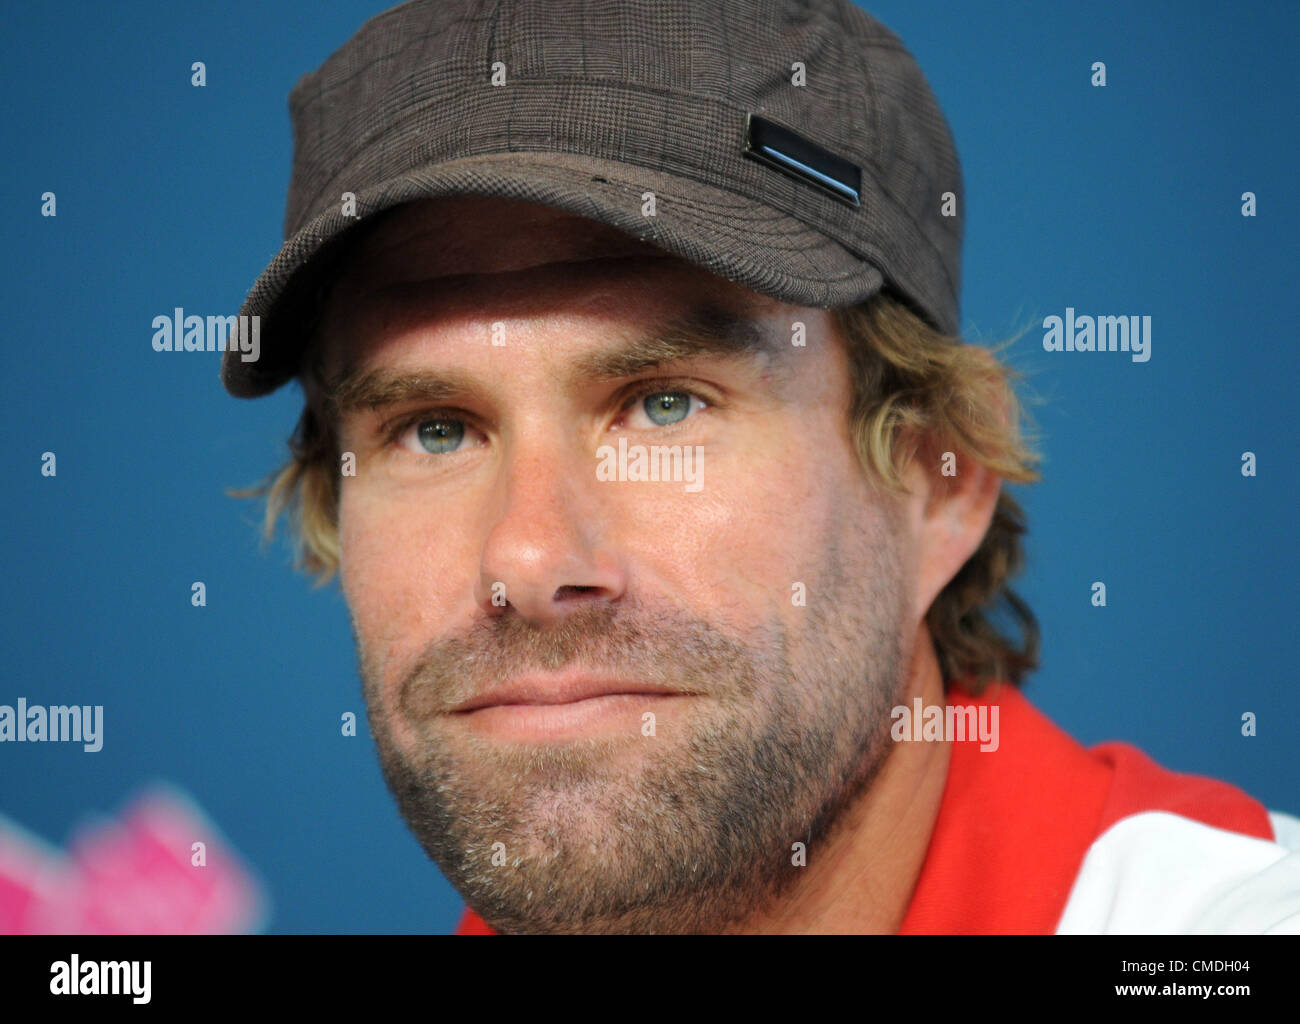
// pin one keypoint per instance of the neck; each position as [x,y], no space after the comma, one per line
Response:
[861,877]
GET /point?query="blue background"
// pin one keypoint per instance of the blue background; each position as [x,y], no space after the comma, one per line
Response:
[1114,201]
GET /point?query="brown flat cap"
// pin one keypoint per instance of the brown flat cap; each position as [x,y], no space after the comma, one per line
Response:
[793,147]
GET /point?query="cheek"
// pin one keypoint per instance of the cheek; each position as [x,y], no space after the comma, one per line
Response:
[735,550]
[388,569]
[801,524]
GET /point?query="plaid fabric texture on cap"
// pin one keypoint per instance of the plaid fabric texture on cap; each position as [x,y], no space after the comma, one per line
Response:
[588,104]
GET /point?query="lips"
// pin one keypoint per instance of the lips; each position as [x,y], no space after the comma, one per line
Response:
[558,690]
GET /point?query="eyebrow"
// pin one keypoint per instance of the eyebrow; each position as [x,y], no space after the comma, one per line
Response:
[706,330]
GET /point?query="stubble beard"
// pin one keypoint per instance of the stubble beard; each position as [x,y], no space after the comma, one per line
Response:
[696,832]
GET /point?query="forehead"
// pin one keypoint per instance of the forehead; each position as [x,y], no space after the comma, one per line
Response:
[463,257]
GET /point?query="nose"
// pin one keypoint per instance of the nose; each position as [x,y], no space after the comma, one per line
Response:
[547,552]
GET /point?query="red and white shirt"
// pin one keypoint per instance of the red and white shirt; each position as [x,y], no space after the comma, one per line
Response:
[1045,836]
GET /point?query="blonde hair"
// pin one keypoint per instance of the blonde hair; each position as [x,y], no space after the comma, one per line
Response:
[909,382]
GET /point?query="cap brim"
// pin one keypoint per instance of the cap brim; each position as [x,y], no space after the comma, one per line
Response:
[736,238]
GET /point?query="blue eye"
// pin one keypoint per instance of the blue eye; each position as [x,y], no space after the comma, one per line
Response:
[667,407]
[435,434]
[438,437]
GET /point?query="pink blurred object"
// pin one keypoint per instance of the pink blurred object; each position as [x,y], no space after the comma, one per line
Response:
[133,876]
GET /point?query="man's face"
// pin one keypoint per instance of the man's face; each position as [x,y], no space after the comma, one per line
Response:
[606,704]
